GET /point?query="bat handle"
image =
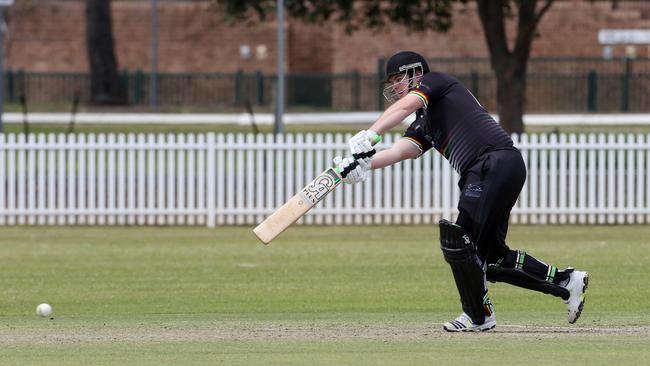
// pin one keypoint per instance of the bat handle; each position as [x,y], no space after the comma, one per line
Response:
[351,167]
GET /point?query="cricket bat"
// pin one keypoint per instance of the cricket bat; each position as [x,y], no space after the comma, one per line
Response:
[303,201]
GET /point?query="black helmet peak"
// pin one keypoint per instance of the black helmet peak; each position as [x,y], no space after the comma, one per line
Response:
[405,60]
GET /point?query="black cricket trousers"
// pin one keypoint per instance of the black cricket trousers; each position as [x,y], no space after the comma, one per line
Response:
[489,190]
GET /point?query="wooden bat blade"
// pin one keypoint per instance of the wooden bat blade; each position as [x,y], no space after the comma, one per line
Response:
[297,206]
[281,219]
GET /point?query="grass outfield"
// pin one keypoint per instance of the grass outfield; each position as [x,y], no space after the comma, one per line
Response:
[374,295]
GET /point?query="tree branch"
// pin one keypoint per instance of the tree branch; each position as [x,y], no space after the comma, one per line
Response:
[491,15]
[547,5]
[529,19]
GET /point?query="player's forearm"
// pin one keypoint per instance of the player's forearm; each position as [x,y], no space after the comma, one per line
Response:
[392,117]
[402,150]
[385,158]
[389,157]
[396,113]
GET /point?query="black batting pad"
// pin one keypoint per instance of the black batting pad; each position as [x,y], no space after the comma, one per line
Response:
[460,253]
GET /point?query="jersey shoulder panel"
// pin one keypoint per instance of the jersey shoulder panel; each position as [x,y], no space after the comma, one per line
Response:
[433,86]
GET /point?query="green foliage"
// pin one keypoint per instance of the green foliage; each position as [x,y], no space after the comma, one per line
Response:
[415,15]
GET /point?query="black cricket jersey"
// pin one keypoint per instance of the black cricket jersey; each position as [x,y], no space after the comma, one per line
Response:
[453,122]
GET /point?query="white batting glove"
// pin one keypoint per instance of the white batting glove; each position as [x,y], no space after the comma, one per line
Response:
[362,143]
[358,174]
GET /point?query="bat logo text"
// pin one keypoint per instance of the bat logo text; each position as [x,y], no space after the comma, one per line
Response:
[319,187]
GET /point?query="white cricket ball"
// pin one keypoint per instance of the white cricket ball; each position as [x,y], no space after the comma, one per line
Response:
[44,310]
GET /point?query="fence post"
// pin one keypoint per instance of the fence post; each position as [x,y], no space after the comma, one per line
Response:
[381,66]
[211,151]
[137,87]
[592,91]
[10,86]
[259,77]
[238,86]
[20,78]
[625,85]
[474,77]
[356,90]
[124,79]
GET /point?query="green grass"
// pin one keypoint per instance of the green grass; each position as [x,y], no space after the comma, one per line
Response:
[318,295]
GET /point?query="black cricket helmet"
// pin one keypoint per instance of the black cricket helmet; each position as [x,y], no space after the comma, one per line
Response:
[406,63]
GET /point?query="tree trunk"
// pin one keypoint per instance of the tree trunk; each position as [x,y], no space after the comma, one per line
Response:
[511,98]
[106,87]
[510,65]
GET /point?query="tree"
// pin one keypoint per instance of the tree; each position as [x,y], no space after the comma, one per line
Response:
[106,87]
[509,65]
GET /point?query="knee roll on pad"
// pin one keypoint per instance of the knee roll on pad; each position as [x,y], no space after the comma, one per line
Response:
[460,253]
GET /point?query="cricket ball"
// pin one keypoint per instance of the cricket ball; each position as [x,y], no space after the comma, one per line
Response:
[44,310]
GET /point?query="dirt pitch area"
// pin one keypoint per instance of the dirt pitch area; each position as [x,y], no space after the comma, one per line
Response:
[292,332]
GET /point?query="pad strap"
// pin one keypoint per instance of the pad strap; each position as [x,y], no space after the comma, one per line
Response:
[517,277]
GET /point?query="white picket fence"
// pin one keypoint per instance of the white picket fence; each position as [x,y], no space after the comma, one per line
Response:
[216,179]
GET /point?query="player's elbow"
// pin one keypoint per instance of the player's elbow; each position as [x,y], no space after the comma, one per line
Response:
[407,150]
[409,154]
[400,154]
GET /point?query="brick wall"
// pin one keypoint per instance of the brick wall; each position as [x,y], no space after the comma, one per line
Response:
[46,37]
[50,36]
[310,47]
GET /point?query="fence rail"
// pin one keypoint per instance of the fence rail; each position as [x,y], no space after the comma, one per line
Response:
[553,85]
[335,118]
[223,179]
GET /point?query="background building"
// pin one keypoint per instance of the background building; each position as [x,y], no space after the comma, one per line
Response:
[206,62]
[48,36]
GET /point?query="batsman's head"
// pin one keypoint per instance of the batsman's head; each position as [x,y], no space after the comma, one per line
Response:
[403,72]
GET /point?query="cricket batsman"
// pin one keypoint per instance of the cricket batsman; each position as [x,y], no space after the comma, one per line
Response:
[492,172]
